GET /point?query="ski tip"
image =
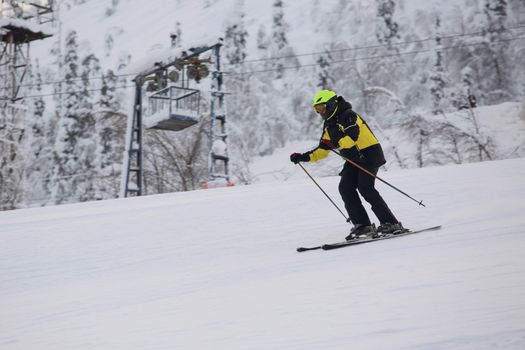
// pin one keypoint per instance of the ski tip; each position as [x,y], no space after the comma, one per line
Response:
[303,249]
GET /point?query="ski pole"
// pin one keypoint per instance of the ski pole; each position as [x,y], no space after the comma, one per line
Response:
[327,196]
[375,176]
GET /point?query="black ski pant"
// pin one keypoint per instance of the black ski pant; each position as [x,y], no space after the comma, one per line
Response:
[353,180]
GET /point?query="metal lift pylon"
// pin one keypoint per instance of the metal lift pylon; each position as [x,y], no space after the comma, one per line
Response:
[21,23]
[218,135]
[177,103]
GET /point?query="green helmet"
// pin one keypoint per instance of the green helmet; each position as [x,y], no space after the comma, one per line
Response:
[323,96]
[325,103]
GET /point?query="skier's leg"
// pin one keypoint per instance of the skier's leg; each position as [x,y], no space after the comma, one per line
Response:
[366,186]
[348,191]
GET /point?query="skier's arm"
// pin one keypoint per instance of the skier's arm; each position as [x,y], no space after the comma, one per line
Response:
[321,151]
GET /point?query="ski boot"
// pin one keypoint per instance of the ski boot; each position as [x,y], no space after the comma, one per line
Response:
[390,229]
[361,231]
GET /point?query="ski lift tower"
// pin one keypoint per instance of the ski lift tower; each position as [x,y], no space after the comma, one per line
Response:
[21,23]
[175,108]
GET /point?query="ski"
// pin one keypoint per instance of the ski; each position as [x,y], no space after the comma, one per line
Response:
[357,241]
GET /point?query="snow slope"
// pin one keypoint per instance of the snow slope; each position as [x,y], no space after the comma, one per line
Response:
[217,269]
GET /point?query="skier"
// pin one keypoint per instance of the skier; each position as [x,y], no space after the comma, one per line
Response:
[346,130]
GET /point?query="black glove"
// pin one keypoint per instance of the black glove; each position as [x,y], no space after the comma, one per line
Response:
[299,157]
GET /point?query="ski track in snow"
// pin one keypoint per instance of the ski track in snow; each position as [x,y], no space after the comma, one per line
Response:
[217,269]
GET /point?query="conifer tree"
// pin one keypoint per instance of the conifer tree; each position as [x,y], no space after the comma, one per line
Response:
[74,151]
[88,113]
[177,36]
[90,69]
[262,39]
[386,71]
[11,156]
[388,28]
[109,141]
[263,46]
[323,68]
[38,154]
[437,79]
[235,38]
[497,48]
[66,159]
[279,40]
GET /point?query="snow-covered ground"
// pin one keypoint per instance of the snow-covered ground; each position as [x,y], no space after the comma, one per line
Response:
[217,269]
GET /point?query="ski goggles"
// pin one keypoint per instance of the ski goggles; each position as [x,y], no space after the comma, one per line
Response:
[320,108]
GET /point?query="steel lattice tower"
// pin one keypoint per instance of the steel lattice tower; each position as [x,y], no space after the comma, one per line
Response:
[21,23]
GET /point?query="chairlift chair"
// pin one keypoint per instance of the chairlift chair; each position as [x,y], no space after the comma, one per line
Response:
[173,108]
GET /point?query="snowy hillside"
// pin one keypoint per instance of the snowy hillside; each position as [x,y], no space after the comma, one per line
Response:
[142,30]
[505,123]
[217,269]
[411,68]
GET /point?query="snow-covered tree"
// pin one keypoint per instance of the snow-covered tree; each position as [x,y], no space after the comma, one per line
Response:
[462,94]
[263,47]
[279,25]
[176,163]
[109,42]
[496,36]
[460,143]
[113,8]
[110,122]
[71,66]
[11,157]
[38,157]
[56,73]
[235,38]
[419,129]
[65,158]
[73,147]
[387,27]
[384,69]
[437,78]
[279,46]
[324,72]
[90,70]
[262,39]
[176,36]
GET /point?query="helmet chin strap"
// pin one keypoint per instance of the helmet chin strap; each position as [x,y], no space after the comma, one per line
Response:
[333,113]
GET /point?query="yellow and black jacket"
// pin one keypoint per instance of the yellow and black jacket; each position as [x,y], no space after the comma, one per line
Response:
[350,134]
